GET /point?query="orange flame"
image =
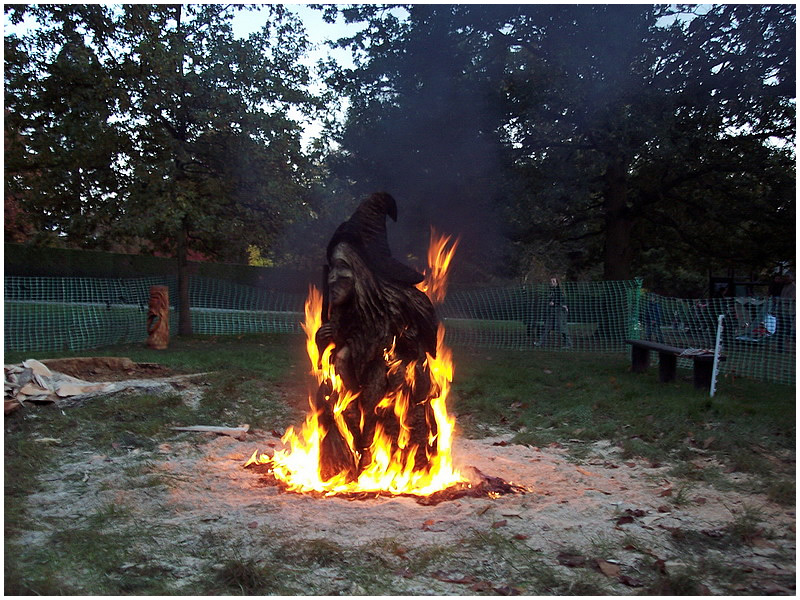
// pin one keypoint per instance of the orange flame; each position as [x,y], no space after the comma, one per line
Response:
[392,468]
[439,257]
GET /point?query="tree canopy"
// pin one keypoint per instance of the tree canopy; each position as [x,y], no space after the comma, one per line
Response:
[590,140]
[603,139]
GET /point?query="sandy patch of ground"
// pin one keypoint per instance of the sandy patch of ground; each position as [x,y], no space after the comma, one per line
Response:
[618,524]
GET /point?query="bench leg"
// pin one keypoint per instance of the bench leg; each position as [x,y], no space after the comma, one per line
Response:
[640,359]
[703,369]
[667,367]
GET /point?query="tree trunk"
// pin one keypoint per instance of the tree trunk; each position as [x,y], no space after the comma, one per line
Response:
[184,317]
[618,254]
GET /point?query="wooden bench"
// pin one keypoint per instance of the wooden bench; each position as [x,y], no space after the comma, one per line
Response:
[668,361]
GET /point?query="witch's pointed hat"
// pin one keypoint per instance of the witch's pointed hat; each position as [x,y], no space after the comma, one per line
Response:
[365,231]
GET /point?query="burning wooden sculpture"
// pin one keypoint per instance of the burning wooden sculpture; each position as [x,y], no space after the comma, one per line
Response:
[378,420]
[381,329]
[158,318]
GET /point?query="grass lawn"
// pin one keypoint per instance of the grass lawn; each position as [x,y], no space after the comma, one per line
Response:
[570,400]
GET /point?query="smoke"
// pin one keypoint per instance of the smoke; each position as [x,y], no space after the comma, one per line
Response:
[434,144]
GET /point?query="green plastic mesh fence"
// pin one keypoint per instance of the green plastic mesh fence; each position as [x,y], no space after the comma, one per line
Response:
[586,316]
[758,337]
[223,308]
[58,313]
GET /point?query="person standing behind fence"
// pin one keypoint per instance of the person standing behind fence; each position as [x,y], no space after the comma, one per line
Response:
[652,320]
[556,314]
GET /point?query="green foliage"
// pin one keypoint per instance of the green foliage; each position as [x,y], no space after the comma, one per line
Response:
[153,122]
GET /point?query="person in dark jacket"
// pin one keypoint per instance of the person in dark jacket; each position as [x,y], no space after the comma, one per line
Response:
[556,314]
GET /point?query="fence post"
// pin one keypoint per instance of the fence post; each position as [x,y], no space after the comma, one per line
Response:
[717,348]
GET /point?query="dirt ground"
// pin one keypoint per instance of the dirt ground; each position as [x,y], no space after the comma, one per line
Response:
[610,525]
[106,368]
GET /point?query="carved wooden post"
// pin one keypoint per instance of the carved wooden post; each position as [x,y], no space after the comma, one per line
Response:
[158,318]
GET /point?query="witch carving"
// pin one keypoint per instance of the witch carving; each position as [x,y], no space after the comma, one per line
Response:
[379,328]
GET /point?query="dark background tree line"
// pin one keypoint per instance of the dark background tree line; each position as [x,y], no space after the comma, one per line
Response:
[598,141]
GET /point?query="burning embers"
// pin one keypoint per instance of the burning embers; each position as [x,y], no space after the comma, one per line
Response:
[378,422]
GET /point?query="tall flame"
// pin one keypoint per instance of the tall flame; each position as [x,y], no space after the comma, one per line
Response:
[439,257]
[392,468]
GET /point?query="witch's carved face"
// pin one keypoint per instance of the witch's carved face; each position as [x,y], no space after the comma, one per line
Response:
[340,276]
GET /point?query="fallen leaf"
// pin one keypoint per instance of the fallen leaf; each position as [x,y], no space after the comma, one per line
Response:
[252,524]
[571,560]
[430,525]
[497,524]
[700,501]
[665,492]
[630,581]
[481,586]
[10,406]
[606,568]
[507,590]
[521,536]
[624,520]
[503,443]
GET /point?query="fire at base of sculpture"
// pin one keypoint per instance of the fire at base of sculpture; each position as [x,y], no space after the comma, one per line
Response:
[158,318]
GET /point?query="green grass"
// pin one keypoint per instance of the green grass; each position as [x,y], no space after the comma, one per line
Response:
[551,397]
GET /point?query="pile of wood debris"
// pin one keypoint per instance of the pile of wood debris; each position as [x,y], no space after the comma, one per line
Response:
[70,381]
[33,381]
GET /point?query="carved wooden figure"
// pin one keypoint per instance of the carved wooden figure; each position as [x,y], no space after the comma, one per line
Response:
[158,318]
[379,323]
